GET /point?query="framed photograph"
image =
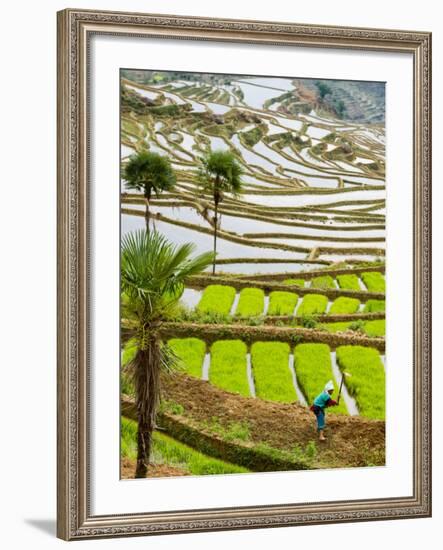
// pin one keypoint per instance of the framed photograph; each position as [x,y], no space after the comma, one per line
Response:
[244,289]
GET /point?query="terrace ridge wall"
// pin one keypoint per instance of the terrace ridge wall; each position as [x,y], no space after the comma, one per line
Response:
[249,334]
[202,281]
[184,430]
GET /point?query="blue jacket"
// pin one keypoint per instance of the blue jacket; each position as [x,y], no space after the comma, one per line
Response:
[323,400]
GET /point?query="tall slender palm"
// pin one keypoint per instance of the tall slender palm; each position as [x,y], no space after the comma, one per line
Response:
[153,271]
[220,173]
[149,172]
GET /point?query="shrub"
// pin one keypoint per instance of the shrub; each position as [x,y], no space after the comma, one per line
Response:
[308,321]
[357,326]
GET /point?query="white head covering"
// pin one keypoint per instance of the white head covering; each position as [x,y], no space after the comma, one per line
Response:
[329,386]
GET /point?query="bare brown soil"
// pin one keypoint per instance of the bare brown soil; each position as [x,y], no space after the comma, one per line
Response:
[155,470]
[351,441]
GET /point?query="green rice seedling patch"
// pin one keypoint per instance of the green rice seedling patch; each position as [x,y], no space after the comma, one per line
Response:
[166,450]
[344,305]
[217,299]
[272,377]
[375,328]
[312,304]
[348,282]
[295,282]
[323,281]
[251,302]
[367,381]
[282,303]
[374,306]
[228,366]
[191,351]
[374,281]
[313,368]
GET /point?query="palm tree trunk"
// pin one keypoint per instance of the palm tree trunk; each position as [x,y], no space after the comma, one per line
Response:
[147,213]
[215,235]
[147,387]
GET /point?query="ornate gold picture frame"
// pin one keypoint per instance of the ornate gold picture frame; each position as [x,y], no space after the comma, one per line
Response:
[76,28]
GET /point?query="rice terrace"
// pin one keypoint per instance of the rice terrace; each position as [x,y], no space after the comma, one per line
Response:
[252,273]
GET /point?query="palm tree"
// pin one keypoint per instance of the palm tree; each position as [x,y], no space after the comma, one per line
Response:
[149,172]
[153,271]
[220,173]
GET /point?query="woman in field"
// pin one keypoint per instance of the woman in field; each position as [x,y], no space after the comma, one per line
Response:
[322,401]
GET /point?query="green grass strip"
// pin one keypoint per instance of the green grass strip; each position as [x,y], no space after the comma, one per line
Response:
[348,282]
[313,368]
[374,306]
[312,303]
[374,281]
[217,299]
[167,450]
[336,327]
[228,366]
[373,329]
[192,352]
[282,303]
[295,282]
[344,305]
[251,302]
[272,377]
[367,381]
[323,281]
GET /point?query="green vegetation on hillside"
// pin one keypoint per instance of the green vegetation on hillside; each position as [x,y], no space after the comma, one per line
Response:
[251,302]
[167,450]
[217,299]
[282,303]
[312,303]
[374,281]
[295,282]
[228,366]
[344,305]
[348,282]
[374,306]
[191,351]
[367,381]
[323,281]
[272,377]
[313,368]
